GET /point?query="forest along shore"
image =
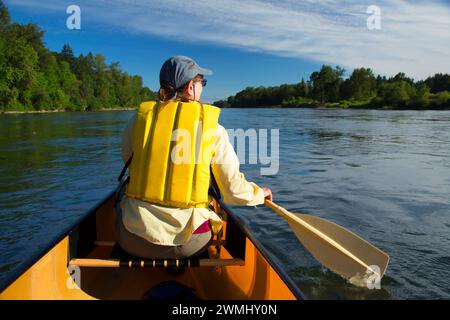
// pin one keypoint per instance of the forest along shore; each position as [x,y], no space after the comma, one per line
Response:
[53,111]
[330,88]
[34,78]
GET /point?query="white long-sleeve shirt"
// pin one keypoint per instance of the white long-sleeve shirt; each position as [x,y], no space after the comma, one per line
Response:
[174,226]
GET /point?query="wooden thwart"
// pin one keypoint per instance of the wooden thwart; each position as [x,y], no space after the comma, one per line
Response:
[149,263]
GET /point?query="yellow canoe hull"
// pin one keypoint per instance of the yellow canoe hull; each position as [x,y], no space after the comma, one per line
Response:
[256,277]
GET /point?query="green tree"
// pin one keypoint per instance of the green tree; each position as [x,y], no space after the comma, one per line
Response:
[5,18]
[442,99]
[362,84]
[67,53]
[439,82]
[33,77]
[401,76]
[421,96]
[326,83]
[302,89]
[146,94]
[396,94]
[69,84]
[102,84]
[18,73]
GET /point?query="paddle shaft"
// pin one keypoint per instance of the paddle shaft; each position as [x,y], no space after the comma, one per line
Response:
[286,214]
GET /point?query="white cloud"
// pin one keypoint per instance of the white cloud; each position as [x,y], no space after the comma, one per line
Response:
[415,36]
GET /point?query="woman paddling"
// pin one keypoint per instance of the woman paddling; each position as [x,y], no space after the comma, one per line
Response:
[163,212]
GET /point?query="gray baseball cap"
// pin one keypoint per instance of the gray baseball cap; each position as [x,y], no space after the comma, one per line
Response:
[178,70]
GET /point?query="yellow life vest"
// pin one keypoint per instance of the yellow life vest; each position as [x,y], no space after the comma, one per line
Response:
[173,144]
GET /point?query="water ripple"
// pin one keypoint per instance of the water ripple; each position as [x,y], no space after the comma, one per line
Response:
[381,174]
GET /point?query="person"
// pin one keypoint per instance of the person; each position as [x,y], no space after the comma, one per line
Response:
[163,213]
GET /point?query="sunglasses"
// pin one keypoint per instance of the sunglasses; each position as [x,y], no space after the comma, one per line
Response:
[203,81]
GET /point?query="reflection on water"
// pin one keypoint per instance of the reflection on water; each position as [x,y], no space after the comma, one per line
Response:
[53,167]
[382,174]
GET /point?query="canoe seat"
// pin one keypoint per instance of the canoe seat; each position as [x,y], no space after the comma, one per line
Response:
[118,258]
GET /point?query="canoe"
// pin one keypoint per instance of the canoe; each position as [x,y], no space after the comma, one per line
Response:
[84,262]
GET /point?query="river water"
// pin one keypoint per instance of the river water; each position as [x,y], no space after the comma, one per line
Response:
[384,175]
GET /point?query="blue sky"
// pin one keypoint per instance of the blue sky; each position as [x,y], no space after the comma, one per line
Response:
[252,42]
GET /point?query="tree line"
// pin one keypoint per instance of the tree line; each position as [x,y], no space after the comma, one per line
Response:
[362,89]
[34,78]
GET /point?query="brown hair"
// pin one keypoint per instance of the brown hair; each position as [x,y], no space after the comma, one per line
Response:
[166,91]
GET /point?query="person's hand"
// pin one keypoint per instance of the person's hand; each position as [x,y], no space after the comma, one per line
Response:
[267,194]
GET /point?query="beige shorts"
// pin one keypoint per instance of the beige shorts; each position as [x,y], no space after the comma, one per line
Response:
[140,247]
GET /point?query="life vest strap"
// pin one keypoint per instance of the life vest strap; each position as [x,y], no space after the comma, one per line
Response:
[124,169]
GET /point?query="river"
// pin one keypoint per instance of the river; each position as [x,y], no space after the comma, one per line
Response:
[384,175]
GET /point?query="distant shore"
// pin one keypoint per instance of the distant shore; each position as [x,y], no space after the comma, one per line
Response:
[337,107]
[56,111]
[318,107]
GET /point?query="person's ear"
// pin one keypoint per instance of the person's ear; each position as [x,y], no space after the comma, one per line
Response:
[190,88]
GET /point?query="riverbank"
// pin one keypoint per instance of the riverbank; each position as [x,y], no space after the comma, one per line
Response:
[329,106]
[370,104]
[340,107]
[57,111]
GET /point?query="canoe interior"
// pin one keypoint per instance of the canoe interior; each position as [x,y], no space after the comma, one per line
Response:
[94,238]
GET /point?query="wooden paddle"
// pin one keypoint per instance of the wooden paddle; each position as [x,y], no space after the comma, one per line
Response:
[337,248]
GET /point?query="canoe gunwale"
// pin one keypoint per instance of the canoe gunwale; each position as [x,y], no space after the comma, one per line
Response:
[278,269]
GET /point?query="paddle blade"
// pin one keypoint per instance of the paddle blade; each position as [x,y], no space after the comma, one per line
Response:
[335,259]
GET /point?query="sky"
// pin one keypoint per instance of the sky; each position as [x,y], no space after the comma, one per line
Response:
[252,42]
